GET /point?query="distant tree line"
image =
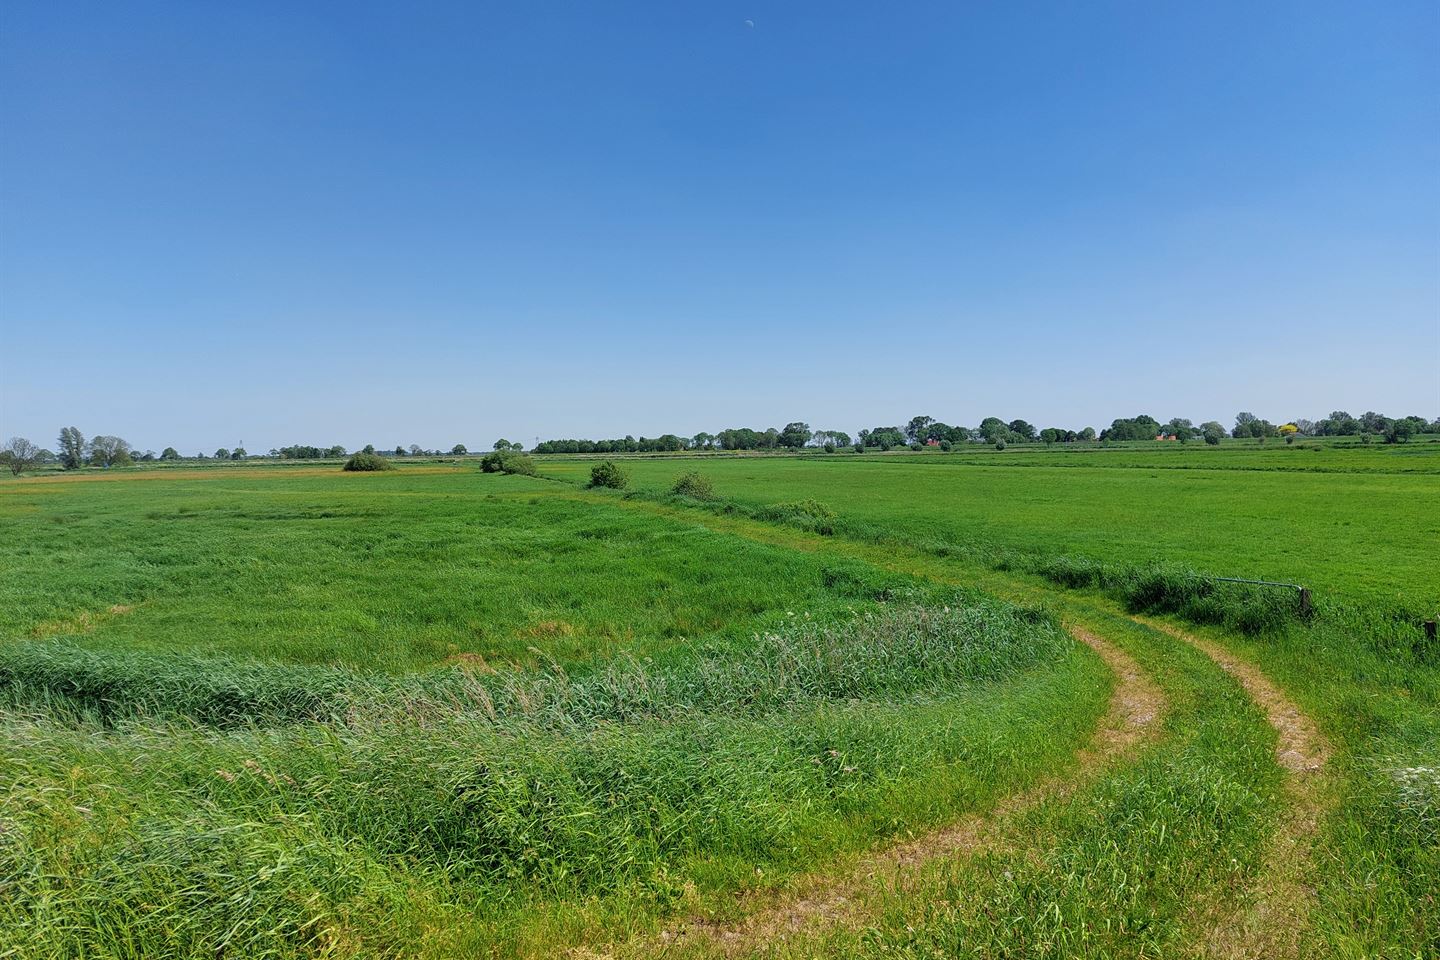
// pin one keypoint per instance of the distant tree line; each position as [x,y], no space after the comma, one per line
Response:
[927,431]
[75,451]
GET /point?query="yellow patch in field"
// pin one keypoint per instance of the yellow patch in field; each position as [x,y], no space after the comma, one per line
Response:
[83,622]
[549,629]
[473,662]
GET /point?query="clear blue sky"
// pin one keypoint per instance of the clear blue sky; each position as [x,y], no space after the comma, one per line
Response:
[437,223]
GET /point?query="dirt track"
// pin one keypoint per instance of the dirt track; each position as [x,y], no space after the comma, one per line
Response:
[825,900]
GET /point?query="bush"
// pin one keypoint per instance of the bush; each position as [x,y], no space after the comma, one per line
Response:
[608,474]
[366,462]
[859,448]
[999,444]
[917,446]
[829,448]
[693,485]
[946,445]
[506,461]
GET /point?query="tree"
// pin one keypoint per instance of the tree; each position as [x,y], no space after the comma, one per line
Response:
[1243,424]
[335,452]
[1087,434]
[883,437]
[915,430]
[1143,427]
[399,449]
[795,434]
[20,454]
[1213,431]
[992,429]
[415,450]
[72,448]
[501,444]
[1022,430]
[369,449]
[1400,431]
[238,454]
[1372,422]
[169,453]
[1180,428]
[222,454]
[1338,424]
[702,441]
[458,450]
[107,451]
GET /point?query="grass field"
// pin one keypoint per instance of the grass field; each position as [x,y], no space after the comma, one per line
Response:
[292,712]
[1365,527]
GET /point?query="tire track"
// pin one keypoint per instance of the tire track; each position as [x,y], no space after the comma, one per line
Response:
[1273,915]
[822,901]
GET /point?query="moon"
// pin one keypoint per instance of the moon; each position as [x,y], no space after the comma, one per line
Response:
[750,24]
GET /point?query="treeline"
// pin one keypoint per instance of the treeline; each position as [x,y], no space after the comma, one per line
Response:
[76,451]
[924,431]
[104,450]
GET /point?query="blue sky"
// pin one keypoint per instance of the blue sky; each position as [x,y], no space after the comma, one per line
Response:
[437,223]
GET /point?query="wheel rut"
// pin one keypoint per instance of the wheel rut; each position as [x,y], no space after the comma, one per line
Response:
[1272,916]
[824,901]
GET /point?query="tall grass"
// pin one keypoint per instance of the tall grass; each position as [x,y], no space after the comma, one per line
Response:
[156,834]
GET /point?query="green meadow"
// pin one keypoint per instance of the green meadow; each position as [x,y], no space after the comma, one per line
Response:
[292,712]
[1359,522]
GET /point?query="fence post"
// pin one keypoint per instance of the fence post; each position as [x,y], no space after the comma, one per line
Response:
[1305,606]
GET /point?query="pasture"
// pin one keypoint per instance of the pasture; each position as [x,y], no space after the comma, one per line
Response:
[1359,522]
[293,712]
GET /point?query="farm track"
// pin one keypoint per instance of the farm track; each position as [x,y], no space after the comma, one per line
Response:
[1269,919]
[1272,920]
[824,901]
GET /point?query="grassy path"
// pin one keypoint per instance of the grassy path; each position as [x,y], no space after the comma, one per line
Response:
[1257,905]
[821,900]
[1275,913]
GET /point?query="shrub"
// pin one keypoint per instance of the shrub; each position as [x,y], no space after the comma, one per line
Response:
[608,474]
[946,445]
[829,448]
[693,485]
[367,462]
[999,444]
[917,446]
[859,448]
[506,461]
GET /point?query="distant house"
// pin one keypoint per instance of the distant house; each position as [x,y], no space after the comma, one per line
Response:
[1166,436]
[932,442]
